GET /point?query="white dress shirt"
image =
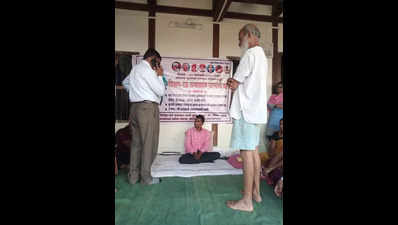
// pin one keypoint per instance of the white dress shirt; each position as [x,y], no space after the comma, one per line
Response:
[144,84]
[251,95]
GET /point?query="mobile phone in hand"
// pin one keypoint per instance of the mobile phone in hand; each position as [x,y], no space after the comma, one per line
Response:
[154,63]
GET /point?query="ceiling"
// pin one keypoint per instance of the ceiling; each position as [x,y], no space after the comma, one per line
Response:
[257,10]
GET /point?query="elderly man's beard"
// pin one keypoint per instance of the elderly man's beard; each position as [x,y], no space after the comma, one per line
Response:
[244,46]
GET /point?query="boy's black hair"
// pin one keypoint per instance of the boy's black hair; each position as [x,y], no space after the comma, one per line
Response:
[202,118]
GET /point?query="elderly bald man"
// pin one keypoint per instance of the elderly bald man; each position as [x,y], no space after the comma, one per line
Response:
[249,110]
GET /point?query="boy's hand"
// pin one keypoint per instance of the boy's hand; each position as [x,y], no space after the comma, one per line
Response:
[198,155]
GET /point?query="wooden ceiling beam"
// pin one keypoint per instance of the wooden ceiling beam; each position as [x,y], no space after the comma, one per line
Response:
[262,2]
[152,7]
[243,16]
[220,8]
[216,8]
[277,8]
[131,6]
[184,11]
[152,24]
[195,12]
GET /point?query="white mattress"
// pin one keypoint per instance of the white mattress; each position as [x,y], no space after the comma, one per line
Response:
[168,166]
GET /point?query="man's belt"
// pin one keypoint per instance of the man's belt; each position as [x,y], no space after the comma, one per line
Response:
[145,101]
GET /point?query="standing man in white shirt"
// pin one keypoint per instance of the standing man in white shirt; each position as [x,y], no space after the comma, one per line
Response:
[145,87]
[249,110]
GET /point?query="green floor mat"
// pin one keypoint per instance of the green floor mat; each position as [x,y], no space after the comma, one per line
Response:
[192,201]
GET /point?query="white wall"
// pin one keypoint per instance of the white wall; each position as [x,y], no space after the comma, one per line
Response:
[250,8]
[131,34]
[195,4]
[182,42]
[131,30]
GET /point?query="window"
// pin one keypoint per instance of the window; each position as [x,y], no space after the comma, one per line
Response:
[123,66]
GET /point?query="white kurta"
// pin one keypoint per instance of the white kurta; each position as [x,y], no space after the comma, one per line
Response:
[251,95]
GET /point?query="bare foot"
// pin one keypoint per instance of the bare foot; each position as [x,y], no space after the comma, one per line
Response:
[256,196]
[240,205]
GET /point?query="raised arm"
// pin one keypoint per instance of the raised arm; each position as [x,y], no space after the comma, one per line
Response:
[156,82]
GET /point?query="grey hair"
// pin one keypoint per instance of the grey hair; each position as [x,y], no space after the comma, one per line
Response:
[252,29]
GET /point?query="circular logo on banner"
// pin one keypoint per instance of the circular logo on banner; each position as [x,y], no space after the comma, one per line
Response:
[193,67]
[185,67]
[176,66]
[210,68]
[219,69]
[202,67]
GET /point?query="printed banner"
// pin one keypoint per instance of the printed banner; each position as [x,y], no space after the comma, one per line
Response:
[195,86]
